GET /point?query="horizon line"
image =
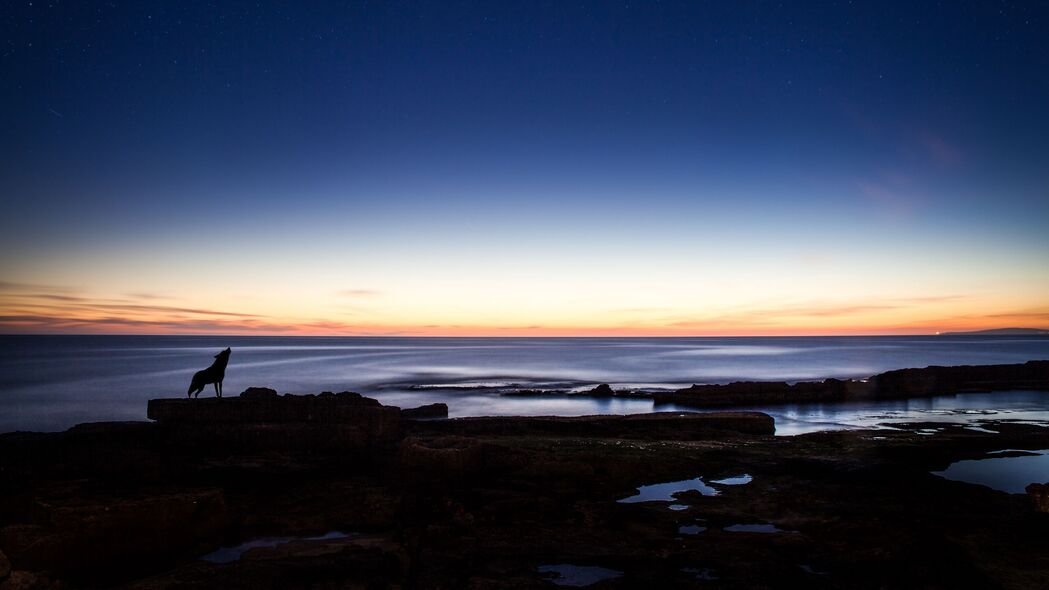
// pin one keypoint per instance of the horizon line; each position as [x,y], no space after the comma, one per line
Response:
[284,335]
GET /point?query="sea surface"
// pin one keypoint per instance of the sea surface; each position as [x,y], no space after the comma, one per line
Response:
[50,383]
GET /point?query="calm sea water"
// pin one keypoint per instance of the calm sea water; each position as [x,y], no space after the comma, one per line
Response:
[53,382]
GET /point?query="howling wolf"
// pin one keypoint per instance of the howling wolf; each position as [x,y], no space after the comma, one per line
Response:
[213,374]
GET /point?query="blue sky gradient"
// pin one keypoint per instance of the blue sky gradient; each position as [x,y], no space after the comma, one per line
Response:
[881,149]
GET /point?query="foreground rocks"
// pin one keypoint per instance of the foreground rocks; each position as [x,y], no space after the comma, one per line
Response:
[485,502]
[260,419]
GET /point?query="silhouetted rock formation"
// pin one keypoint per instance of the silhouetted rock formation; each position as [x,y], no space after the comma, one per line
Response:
[944,380]
[742,393]
[903,383]
[603,390]
[438,410]
[1039,493]
[260,419]
[259,393]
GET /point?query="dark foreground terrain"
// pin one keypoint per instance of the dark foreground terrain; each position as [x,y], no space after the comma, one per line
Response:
[347,493]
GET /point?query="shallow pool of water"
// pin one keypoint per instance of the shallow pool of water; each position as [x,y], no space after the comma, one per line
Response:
[737,480]
[567,574]
[1031,407]
[1008,474]
[691,529]
[234,552]
[754,528]
[664,492]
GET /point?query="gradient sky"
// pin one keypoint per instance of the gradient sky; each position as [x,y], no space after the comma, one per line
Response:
[532,168]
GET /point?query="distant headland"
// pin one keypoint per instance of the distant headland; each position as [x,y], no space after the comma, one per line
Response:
[1000,332]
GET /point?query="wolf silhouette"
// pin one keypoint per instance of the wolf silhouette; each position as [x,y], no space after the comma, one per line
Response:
[213,374]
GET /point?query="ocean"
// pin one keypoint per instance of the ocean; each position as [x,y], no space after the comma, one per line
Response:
[50,383]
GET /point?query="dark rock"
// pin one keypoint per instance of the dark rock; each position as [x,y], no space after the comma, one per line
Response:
[449,456]
[743,393]
[20,580]
[345,407]
[1039,493]
[658,425]
[437,410]
[5,566]
[85,538]
[903,383]
[936,380]
[259,393]
[603,390]
[353,563]
[327,421]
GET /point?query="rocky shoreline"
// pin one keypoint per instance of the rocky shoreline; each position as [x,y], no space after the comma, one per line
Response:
[338,490]
[897,384]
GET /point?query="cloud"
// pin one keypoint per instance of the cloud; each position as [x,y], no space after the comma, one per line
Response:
[145,296]
[11,286]
[50,324]
[358,293]
[751,317]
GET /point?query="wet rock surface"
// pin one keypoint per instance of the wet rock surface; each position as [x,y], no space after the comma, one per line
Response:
[489,502]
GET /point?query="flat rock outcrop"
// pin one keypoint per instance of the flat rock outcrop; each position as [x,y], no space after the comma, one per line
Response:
[438,410]
[937,380]
[899,384]
[259,405]
[658,425]
[743,393]
[260,419]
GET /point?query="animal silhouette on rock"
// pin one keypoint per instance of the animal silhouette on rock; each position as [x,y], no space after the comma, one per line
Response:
[213,374]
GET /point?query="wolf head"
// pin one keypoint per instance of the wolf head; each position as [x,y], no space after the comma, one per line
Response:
[224,353]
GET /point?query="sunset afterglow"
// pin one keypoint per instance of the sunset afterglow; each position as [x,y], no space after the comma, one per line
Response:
[670,171]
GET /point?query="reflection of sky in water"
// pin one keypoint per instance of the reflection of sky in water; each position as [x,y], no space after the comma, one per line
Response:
[664,492]
[49,383]
[234,552]
[566,574]
[1006,474]
[754,528]
[1032,406]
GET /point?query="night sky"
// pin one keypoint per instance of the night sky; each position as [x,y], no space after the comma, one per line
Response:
[524,168]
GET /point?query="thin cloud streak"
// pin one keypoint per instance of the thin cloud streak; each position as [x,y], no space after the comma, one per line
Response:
[358,293]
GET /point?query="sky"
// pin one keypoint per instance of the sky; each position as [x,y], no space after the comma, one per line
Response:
[523,168]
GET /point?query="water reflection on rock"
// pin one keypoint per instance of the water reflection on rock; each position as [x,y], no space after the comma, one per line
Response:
[567,574]
[664,492]
[1010,474]
[235,552]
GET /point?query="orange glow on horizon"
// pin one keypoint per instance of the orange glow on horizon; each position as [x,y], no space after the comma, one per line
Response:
[32,308]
